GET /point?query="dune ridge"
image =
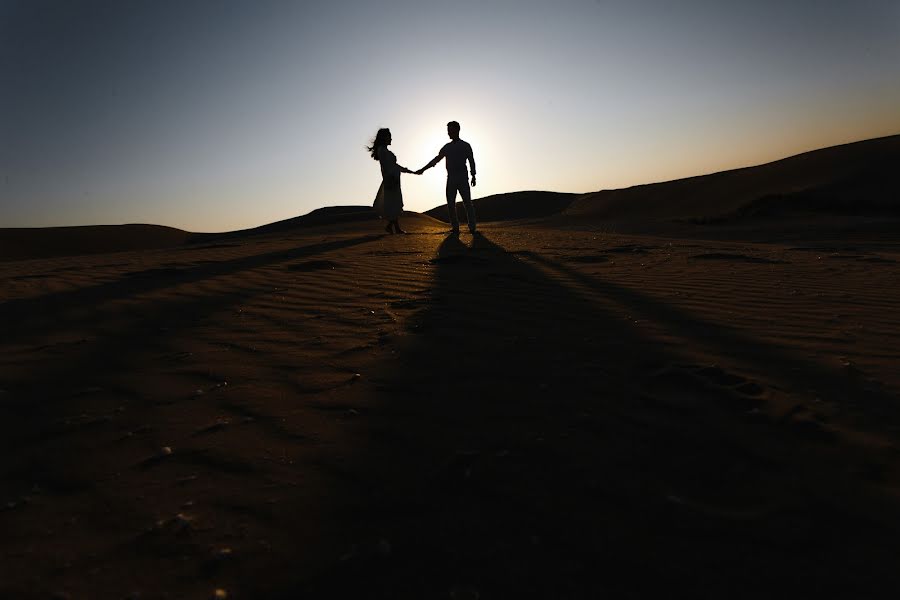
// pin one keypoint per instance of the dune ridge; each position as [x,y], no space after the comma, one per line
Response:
[329,215]
[50,242]
[859,178]
[510,206]
[46,242]
[856,178]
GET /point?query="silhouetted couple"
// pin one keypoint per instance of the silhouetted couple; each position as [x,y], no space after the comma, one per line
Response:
[389,201]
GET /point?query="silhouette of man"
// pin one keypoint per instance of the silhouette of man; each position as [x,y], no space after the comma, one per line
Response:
[456,152]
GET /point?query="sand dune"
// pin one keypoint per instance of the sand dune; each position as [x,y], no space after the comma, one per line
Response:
[28,243]
[24,243]
[858,178]
[511,206]
[316,409]
[334,412]
[330,215]
[852,179]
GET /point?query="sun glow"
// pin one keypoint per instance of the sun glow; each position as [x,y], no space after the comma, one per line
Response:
[422,138]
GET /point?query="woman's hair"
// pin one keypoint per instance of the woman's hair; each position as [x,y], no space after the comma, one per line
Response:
[380,140]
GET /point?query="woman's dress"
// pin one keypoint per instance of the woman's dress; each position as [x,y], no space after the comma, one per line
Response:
[389,201]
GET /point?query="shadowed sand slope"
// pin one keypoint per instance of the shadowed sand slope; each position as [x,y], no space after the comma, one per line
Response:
[508,207]
[858,178]
[532,413]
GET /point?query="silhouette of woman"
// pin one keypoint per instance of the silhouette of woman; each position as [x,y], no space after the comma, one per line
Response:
[389,201]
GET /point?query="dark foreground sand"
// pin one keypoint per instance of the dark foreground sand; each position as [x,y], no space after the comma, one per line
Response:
[533,413]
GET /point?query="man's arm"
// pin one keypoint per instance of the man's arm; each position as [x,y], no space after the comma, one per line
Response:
[472,164]
[433,162]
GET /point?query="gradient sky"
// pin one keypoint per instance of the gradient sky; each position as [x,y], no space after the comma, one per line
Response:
[219,115]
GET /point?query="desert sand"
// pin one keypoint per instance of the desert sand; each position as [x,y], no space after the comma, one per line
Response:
[560,407]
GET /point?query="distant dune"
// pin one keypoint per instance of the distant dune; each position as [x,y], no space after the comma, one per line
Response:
[511,206]
[46,242]
[329,215]
[852,179]
[857,178]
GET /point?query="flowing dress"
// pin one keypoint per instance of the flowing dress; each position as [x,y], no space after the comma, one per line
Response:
[389,200]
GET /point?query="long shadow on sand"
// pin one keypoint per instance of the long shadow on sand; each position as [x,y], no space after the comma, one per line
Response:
[514,453]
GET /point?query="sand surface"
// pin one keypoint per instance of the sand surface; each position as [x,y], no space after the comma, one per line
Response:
[535,412]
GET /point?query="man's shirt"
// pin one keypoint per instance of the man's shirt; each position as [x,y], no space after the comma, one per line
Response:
[456,153]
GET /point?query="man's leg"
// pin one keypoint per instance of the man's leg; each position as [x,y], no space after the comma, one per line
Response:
[466,194]
[451,204]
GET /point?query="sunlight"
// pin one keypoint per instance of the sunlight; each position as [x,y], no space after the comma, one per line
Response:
[424,133]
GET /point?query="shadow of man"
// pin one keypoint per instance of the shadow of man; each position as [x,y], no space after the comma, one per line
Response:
[517,455]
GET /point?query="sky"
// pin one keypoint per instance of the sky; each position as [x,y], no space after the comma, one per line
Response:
[215,115]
